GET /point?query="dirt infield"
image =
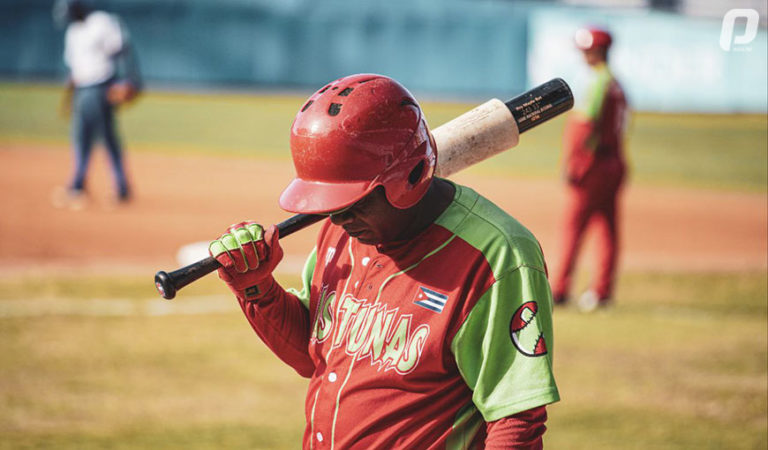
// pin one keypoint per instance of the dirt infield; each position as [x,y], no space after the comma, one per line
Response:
[179,200]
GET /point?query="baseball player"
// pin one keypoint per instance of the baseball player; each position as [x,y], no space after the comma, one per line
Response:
[96,45]
[425,316]
[594,171]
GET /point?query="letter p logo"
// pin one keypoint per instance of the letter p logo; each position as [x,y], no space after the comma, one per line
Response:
[729,20]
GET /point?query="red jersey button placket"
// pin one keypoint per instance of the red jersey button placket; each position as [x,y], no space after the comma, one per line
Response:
[374,267]
[362,288]
[366,262]
[366,273]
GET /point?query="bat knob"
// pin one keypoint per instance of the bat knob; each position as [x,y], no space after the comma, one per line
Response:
[164,285]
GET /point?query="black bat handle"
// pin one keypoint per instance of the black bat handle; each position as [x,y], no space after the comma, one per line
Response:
[541,103]
[168,284]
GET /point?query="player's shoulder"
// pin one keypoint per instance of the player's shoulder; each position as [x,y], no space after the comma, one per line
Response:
[505,242]
[102,19]
[98,16]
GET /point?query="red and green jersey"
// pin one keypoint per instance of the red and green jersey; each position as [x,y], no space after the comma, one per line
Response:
[419,344]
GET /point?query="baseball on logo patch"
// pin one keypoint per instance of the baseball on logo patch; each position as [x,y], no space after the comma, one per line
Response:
[525,331]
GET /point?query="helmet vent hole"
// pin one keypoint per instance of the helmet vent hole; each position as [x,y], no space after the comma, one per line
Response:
[345,92]
[334,109]
[408,102]
[365,81]
[323,89]
[309,103]
[416,173]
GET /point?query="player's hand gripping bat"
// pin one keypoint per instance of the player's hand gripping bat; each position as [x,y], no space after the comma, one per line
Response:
[488,129]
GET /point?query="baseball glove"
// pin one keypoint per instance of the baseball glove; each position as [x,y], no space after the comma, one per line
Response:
[121,93]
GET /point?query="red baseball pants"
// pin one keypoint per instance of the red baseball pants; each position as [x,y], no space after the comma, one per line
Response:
[592,201]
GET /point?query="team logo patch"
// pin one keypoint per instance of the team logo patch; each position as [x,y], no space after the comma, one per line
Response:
[525,331]
[433,301]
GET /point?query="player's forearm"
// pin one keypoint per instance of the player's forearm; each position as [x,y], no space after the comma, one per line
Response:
[522,431]
[282,322]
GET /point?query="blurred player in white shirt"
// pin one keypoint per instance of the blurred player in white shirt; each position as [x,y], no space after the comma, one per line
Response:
[95,45]
[91,44]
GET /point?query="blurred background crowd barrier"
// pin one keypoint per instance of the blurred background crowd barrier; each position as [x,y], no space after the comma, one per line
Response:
[667,52]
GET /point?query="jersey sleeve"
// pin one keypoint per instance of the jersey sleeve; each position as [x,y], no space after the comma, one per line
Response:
[281,319]
[523,431]
[591,103]
[582,133]
[504,347]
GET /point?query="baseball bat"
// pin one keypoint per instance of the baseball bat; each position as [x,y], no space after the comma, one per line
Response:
[486,130]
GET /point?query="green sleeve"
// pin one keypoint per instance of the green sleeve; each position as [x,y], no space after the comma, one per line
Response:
[306,279]
[504,348]
[592,104]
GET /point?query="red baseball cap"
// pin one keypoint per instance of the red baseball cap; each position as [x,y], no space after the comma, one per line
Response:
[589,38]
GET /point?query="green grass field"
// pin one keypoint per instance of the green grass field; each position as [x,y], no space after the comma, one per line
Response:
[714,151]
[99,362]
[680,364]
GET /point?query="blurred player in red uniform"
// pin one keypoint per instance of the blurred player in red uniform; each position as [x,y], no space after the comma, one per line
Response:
[594,170]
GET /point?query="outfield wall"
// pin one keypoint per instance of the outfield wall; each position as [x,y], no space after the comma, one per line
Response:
[450,47]
[665,62]
[461,48]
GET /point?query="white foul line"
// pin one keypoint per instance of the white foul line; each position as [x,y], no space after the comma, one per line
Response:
[118,307]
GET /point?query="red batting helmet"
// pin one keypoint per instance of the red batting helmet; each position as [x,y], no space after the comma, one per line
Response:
[357,133]
[589,38]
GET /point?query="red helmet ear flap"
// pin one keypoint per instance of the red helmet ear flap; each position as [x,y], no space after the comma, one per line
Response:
[410,179]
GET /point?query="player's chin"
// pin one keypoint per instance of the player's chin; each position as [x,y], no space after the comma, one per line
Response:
[366,237]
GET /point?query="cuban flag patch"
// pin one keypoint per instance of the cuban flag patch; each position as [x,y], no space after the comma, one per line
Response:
[433,301]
